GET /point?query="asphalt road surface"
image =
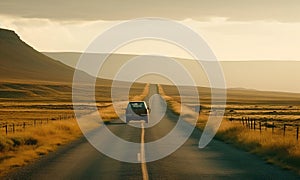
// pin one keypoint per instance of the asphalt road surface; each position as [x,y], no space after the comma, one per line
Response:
[80,160]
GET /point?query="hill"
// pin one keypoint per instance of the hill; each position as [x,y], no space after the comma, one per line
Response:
[28,75]
[267,75]
[19,62]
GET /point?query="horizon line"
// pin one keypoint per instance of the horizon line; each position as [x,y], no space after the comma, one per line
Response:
[131,54]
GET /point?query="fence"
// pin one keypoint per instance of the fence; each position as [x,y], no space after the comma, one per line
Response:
[260,125]
[12,127]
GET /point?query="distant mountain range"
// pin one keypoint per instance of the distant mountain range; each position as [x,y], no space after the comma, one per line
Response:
[20,62]
[28,75]
[261,75]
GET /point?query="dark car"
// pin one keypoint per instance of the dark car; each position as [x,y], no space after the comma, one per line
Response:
[137,111]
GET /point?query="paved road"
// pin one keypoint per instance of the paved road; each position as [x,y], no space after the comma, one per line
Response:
[80,160]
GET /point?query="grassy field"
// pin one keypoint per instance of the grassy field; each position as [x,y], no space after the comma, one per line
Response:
[47,111]
[265,107]
[21,148]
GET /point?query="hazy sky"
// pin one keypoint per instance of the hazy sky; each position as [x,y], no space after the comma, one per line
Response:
[234,29]
[241,10]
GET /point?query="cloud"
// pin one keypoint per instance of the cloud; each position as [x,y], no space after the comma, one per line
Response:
[200,10]
[230,40]
[51,35]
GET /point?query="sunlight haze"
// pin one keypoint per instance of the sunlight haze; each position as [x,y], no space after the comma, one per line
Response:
[235,31]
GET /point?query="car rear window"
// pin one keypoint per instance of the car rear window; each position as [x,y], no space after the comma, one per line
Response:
[137,105]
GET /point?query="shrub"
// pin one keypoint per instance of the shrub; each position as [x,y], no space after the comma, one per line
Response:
[5,144]
[17,141]
[30,141]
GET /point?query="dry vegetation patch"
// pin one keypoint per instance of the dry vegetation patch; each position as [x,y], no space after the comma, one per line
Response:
[47,112]
[271,145]
[21,148]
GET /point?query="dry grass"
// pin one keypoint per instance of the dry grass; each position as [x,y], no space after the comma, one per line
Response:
[23,147]
[273,147]
[46,101]
[140,97]
[108,113]
[174,105]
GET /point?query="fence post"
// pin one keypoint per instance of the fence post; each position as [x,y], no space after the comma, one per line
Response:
[34,122]
[13,126]
[24,124]
[297,133]
[254,124]
[284,126]
[260,126]
[273,127]
[248,124]
[6,130]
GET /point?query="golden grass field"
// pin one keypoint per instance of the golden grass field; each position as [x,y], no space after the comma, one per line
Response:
[50,104]
[267,107]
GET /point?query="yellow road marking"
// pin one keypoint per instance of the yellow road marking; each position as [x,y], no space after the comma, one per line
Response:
[143,160]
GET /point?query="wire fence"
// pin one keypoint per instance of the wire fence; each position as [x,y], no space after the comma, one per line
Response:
[12,127]
[277,127]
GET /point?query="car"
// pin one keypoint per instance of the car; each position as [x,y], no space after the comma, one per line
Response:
[137,111]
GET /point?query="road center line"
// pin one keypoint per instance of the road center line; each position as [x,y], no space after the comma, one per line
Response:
[143,160]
